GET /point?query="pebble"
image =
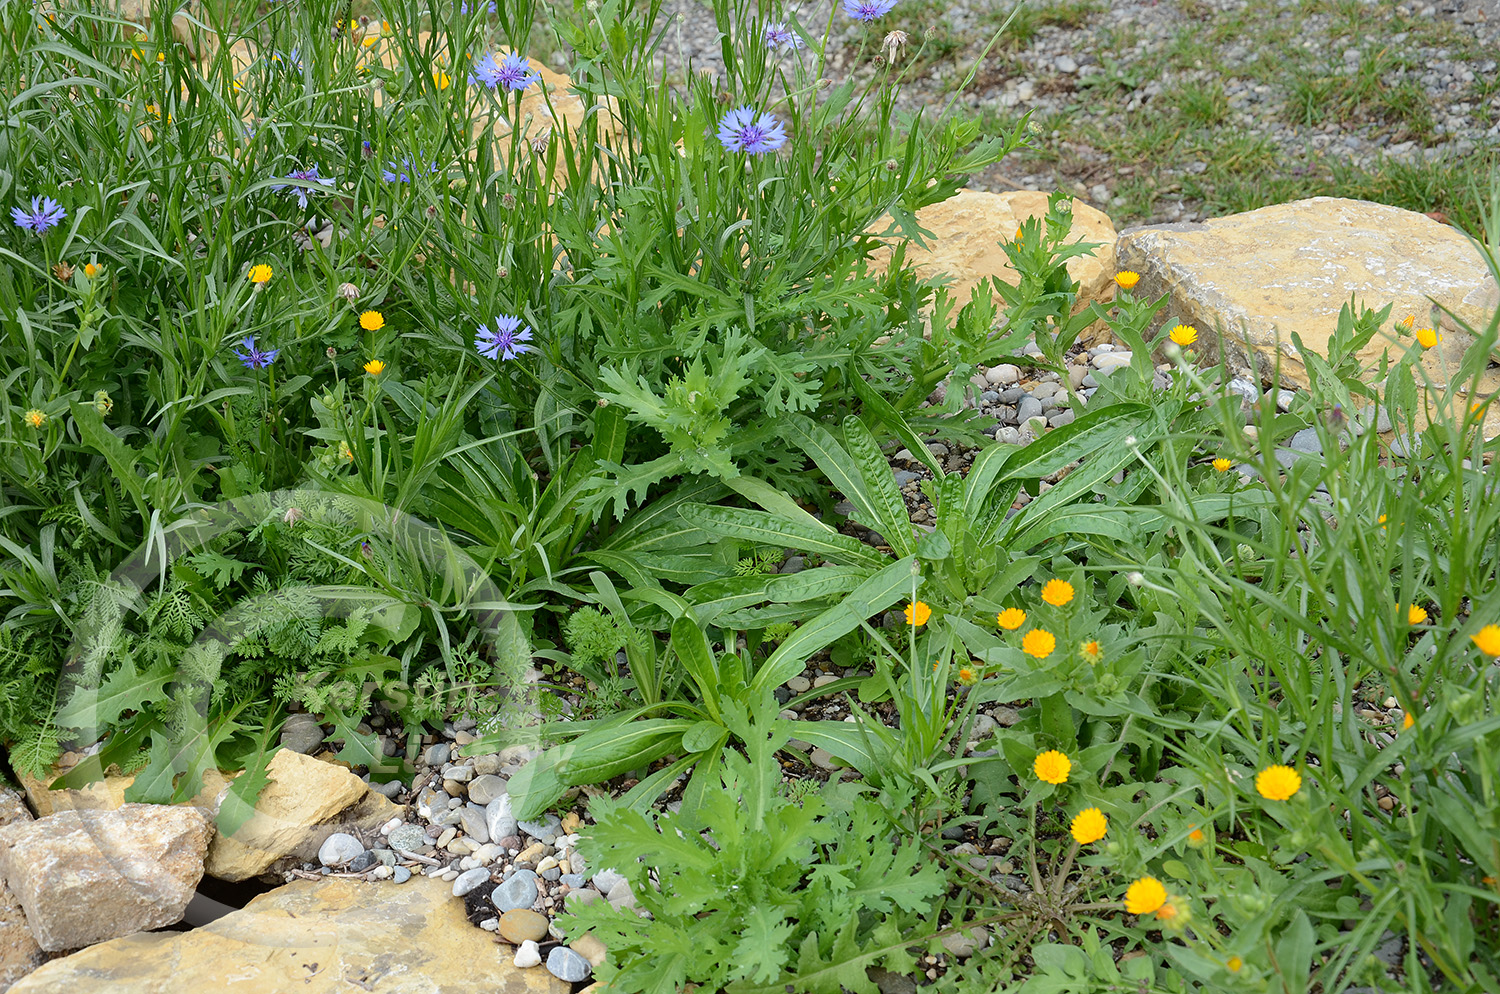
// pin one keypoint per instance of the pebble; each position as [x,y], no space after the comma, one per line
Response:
[437,754]
[475,826]
[824,680]
[1003,375]
[390,826]
[522,924]
[499,819]
[458,774]
[449,834]
[621,896]
[408,837]
[469,880]
[581,898]
[590,948]
[485,788]
[799,684]
[383,872]
[566,965]
[519,890]
[301,733]
[362,862]
[531,855]
[962,945]
[339,848]
[487,765]
[527,955]
[400,874]
[548,863]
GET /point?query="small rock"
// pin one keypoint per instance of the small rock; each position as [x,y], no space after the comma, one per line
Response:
[519,890]
[1306,441]
[621,896]
[499,819]
[590,948]
[485,788]
[965,944]
[527,955]
[338,849]
[472,818]
[458,774]
[302,733]
[487,765]
[523,925]
[408,837]
[1065,64]
[823,759]
[606,880]
[362,862]
[1003,375]
[799,684]
[437,754]
[400,874]
[546,830]
[564,964]
[580,898]
[470,879]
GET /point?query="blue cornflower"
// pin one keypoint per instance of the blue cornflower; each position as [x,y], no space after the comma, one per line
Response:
[393,173]
[742,131]
[309,175]
[868,10]
[504,341]
[290,60]
[464,8]
[778,35]
[45,214]
[254,358]
[513,72]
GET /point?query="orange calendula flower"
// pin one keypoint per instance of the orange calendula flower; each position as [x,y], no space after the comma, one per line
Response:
[90,270]
[372,320]
[1018,233]
[1184,335]
[1038,643]
[259,273]
[967,676]
[1089,825]
[1052,766]
[1407,721]
[1145,896]
[1488,640]
[917,614]
[1278,783]
[1127,279]
[1091,650]
[1416,614]
[1427,338]
[1405,323]
[35,418]
[1057,592]
[1381,521]
[1234,964]
[1168,912]
[1222,465]
[375,367]
[441,79]
[1195,836]
[1011,618]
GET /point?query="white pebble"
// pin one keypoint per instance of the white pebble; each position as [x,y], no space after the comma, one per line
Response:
[527,953]
[390,826]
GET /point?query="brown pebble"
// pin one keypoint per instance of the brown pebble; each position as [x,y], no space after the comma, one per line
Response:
[520,924]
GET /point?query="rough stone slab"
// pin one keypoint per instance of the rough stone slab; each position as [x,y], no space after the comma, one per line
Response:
[306,801]
[1247,281]
[19,953]
[313,937]
[87,876]
[970,226]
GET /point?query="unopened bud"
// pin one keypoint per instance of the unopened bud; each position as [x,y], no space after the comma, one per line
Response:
[331,353]
[891,165]
[431,211]
[502,272]
[508,201]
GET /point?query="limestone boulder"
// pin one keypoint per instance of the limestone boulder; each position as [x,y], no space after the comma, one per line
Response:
[1247,281]
[83,877]
[306,801]
[106,794]
[970,227]
[19,953]
[314,937]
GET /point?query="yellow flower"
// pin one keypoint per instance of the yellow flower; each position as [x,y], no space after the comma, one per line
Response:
[1488,640]
[1234,964]
[1052,766]
[1277,783]
[1195,836]
[1168,912]
[1089,825]
[90,270]
[1011,618]
[441,79]
[375,367]
[1407,721]
[917,614]
[1381,522]
[967,677]
[1091,650]
[1057,592]
[1126,279]
[260,273]
[1039,643]
[1405,323]
[1222,465]
[372,320]
[1184,335]
[1018,233]
[35,418]
[1427,338]
[1416,614]
[1145,896]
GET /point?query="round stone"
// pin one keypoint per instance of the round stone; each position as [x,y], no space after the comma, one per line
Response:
[519,890]
[470,879]
[301,733]
[499,819]
[545,830]
[408,837]
[485,788]
[564,964]
[528,955]
[362,862]
[400,874]
[522,924]
[475,825]
[339,848]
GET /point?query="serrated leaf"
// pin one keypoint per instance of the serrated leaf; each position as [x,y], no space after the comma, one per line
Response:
[97,709]
[238,805]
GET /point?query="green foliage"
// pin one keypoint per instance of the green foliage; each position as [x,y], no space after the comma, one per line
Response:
[775,893]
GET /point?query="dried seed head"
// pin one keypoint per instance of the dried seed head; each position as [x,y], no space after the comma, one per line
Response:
[894,44]
[349,292]
[508,201]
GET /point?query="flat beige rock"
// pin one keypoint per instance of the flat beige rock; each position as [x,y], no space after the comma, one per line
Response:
[1246,282]
[313,937]
[970,227]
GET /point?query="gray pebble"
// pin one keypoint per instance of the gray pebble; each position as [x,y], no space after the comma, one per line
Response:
[543,831]
[301,733]
[339,848]
[470,880]
[472,818]
[519,890]
[498,817]
[606,880]
[408,837]
[1029,408]
[437,754]
[564,964]
[572,880]
[485,788]
[362,862]
[400,874]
